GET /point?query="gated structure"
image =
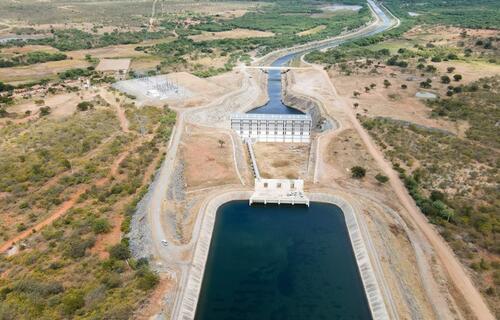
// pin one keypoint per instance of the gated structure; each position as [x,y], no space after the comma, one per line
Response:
[272,127]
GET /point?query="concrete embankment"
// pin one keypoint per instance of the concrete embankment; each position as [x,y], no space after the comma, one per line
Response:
[305,104]
[185,308]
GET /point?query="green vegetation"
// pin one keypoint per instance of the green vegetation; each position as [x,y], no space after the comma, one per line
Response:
[31,58]
[462,13]
[68,270]
[381,178]
[476,103]
[35,153]
[358,172]
[345,53]
[454,180]
[74,39]
[59,279]
[284,18]
[84,105]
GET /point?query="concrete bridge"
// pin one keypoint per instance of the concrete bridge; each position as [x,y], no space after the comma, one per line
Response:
[275,68]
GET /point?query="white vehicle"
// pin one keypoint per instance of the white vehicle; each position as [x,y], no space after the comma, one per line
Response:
[164,242]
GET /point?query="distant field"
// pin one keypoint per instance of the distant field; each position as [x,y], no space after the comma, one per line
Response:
[463,13]
[231,34]
[107,12]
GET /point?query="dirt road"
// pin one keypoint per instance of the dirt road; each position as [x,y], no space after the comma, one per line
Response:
[458,276]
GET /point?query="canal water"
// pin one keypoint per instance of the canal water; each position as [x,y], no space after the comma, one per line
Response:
[281,262]
[275,104]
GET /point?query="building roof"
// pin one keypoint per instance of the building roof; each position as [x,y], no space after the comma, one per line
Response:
[266,116]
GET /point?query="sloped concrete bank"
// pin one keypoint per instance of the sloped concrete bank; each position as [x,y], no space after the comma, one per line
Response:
[185,307]
[305,104]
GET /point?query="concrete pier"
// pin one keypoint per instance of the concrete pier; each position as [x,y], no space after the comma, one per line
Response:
[279,191]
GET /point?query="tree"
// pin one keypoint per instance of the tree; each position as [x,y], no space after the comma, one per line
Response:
[445,79]
[119,252]
[44,111]
[84,106]
[430,68]
[381,178]
[387,83]
[426,84]
[221,143]
[358,172]
[450,69]
[457,77]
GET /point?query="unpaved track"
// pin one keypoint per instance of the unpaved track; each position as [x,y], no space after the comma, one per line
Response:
[120,113]
[59,212]
[68,204]
[459,277]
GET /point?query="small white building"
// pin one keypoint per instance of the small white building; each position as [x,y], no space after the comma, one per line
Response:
[279,191]
[261,127]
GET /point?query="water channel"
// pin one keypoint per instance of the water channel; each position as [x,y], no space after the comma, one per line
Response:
[283,262]
[275,104]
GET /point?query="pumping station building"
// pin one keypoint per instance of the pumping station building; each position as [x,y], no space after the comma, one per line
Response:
[260,127]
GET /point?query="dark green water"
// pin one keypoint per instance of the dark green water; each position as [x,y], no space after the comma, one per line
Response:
[281,263]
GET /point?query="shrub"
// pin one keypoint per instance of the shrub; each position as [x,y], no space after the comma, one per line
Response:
[457,77]
[425,84]
[381,178]
[445,79]
[101,226]
[44,111]
[75,247]
[358,172]
[430,68]
[119,252]
[84,106]
[111,280]
[146,279]
[450,69]
[72,301]
[387,83]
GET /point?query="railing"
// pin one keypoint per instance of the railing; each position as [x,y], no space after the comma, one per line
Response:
[254,161]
